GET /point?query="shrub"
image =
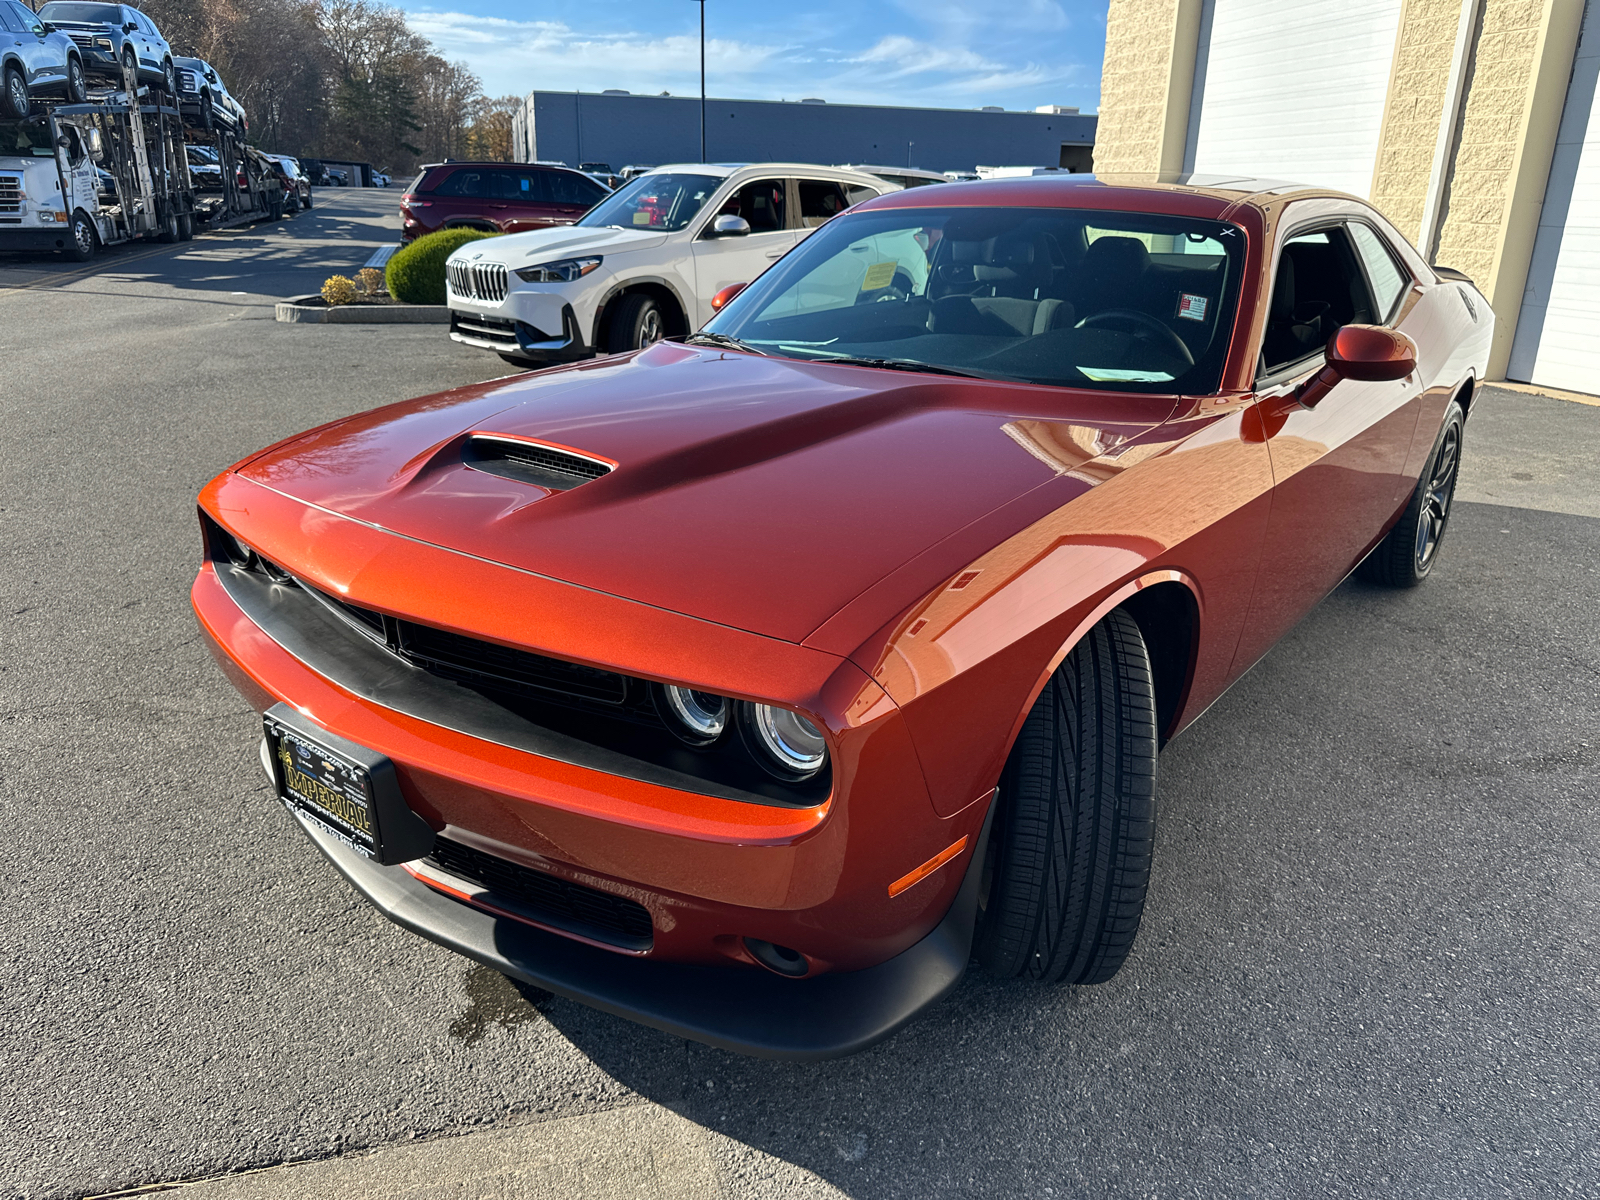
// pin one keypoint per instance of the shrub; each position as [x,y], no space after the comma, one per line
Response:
[371,280]
[416,272]
[340,290]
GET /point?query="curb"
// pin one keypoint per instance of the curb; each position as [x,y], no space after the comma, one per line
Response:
[298,311]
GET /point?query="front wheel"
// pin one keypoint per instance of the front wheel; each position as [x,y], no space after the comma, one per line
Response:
[84,241]
[16,94]
[639,323]
[77,85]
[208,112]
[1406,556]
[169,79]
[1069,858]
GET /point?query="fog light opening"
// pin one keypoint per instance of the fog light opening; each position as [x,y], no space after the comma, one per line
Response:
[777,958]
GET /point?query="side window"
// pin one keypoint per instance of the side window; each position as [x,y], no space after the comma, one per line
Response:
[567,188]
[1318,288]
[8,20]
[464,183]
[857,193]
[528,187]
[820,201]
[762,204]
[1389,283]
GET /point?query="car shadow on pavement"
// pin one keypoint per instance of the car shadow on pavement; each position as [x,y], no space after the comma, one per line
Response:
[1368,946]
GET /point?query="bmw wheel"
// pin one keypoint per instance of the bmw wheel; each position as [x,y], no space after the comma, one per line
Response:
[1406,556]
[1069,857]
[639,323]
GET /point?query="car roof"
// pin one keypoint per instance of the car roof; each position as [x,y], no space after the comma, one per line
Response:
[728,170]
[1195,195]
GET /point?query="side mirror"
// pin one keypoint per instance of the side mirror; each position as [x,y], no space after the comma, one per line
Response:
[1365,352]
[726,294]
[97,146]
[728,225]
[130,27]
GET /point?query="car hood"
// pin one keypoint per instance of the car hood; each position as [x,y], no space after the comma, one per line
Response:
[541,245]
[759,493]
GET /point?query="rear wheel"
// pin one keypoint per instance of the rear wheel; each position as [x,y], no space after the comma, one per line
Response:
[16,94]
[169,232]
[308,198]
[1406,556]
[84,241]
[186,228]
[639,322]
[77,85]
[1069,859]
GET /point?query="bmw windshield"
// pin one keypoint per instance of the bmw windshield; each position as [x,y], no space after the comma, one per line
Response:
[664,203]
[1071,297]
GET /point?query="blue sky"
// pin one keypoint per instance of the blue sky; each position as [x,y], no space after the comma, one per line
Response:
[944,53]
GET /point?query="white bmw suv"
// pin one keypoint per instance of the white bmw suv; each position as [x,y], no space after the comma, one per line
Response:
[643,263]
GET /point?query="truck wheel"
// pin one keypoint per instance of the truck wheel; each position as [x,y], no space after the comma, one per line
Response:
[208,114]
[639,323]
[169,79]
[77,85]
[186,227]
[1071,848]
[169,234]
[84,239]
[16,94]
[1404,558]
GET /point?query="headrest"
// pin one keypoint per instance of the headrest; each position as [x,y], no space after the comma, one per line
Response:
[1119,255]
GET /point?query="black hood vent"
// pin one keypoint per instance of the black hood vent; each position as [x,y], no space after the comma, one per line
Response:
[530,462]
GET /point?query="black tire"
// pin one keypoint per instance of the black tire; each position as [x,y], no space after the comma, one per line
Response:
[307,200]
[85,241]
[637,323]
[186,228]
[1406,556]
[170,232]
[130,60]
[208,113]
[169,79]
[77,85]
[1069,856]
[15,96]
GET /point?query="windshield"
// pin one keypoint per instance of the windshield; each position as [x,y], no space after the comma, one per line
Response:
[25,140]
[104,14]
[665,202]
[1077,298]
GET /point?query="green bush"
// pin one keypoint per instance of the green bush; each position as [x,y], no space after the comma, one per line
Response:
[415,275]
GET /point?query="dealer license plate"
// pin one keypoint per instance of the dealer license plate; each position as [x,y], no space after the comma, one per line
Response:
[325,784]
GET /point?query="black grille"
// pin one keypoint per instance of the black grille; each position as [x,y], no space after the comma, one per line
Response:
[558,470]
[479,662]
[553,901]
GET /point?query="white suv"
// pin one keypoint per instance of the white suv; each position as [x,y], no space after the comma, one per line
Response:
[643,263]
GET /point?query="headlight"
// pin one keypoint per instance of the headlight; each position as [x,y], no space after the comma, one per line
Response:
[564,271]
[236,551]
[699,718]
[103,43]
[785,743]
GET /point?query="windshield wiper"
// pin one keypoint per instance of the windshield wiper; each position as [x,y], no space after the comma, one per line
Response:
[726,342]
[906,364]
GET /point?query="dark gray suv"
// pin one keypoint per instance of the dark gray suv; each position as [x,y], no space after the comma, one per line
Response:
[35,60]
[109,35]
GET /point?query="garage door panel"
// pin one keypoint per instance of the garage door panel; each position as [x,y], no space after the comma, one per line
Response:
[1293,89]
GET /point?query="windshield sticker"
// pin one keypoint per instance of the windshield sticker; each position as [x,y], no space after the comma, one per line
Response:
[879,275]
[641,218]
[1109,375]
[1192,307]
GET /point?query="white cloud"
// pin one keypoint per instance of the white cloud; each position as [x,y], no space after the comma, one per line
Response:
[515,57]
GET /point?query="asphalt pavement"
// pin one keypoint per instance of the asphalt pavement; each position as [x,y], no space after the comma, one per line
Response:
[1368,966]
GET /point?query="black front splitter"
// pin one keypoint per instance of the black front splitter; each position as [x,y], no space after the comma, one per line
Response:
[746,1010]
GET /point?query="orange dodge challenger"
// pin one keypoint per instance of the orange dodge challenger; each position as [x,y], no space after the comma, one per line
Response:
[748,686]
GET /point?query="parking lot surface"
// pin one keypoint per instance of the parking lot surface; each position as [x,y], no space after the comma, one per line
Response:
[1368,965]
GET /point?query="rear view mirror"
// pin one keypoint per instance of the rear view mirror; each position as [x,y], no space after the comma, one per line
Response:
[1365,352]
[728,225]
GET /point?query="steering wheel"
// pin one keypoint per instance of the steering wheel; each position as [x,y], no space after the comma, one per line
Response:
[896,290]
[1169,340]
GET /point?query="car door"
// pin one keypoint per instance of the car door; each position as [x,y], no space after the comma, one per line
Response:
[1338,468]
[721,260]
[572,194]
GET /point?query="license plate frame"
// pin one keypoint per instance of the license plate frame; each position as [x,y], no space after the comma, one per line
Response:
[343,788]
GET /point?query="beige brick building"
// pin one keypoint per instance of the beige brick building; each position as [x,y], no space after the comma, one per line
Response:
[1467,122]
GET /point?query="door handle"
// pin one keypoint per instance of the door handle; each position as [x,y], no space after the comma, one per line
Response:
[775,253]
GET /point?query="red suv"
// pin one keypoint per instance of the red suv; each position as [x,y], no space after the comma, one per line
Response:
[505,197]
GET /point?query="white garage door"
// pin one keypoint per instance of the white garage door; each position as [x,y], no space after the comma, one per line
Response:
[1556,343]
[1292,89]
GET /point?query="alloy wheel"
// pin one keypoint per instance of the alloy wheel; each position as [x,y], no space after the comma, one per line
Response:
[650,328]
[1436,500]
[17,93]
[77,89]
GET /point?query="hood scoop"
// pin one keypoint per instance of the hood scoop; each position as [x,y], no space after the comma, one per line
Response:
[554,468]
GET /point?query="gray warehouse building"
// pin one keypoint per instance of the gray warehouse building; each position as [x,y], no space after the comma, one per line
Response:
[618,128]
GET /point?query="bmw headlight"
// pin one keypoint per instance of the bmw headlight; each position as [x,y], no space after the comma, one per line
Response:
[785,743]
[564,271]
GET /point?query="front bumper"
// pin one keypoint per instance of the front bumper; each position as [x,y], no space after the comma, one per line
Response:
[520,339]
[54,237]
[748,1011]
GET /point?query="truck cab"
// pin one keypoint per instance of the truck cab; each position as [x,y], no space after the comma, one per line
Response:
[49,188]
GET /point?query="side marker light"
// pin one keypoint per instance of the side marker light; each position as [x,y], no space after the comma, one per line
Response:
[911,879]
